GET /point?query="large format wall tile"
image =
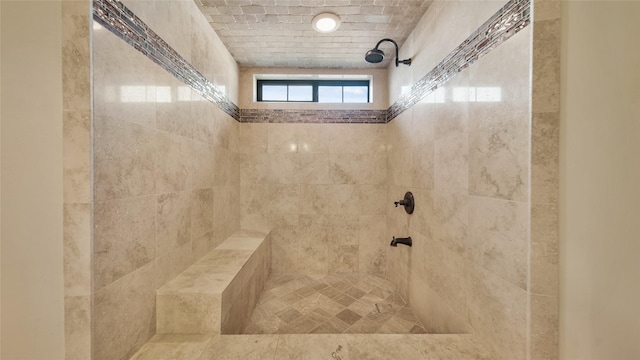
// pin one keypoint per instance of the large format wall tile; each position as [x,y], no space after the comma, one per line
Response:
[544,249]
[356,139]
[254,138]
[77,159]
[545,157]
[202,212]
[201,159]
[173,108]
[124,85]
[449,224]
[174,221]
[363,169]
[544,326]
[124,159]
[498,162]
[77,327]
[438,315]
[77,249]
[124,237]
[498,314]
[166,171]
[464,152]
[318,186]
[451,163]
[546,64]
[446,273]
[124,313]
[176,30]
[499,237]
[173,263]
[173,156]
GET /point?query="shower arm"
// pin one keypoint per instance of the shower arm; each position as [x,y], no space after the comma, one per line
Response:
[398,61]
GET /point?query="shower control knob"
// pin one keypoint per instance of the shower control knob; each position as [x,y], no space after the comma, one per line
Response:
[407,202]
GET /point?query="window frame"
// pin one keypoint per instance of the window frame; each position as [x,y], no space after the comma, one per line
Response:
[315,84]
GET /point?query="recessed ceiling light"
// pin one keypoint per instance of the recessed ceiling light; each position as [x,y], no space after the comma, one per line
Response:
[325,22]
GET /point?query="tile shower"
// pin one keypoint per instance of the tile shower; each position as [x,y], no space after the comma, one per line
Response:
[174,174]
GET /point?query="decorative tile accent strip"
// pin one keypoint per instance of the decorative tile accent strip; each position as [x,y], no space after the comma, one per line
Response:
[510,19]
[121,21]
[313,116]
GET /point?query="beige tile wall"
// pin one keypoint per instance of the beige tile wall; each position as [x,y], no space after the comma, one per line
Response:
[468,163]
[320,189]
[545,174]
[166,184]
[76,95]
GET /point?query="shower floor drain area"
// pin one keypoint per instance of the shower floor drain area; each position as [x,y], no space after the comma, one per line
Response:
[331,304]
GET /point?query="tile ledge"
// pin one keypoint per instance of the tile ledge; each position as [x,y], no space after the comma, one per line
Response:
[174,347]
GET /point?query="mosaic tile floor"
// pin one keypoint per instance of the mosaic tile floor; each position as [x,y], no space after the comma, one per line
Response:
[331,304]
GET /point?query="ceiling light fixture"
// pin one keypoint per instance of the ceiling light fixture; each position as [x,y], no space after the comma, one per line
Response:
[325,22]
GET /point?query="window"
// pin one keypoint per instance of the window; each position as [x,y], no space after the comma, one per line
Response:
[321,91]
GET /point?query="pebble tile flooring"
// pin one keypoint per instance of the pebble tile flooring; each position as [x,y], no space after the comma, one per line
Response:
[331,304]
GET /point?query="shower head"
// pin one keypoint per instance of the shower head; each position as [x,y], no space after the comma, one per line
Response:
[376,55]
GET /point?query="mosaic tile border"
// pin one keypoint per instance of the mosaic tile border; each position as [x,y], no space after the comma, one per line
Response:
[313,116]
[506,22]
[121,21]
[117,18]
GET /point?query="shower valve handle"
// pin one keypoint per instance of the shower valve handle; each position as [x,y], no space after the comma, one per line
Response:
[407,202]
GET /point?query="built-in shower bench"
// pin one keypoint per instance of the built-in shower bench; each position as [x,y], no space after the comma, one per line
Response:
[218,292]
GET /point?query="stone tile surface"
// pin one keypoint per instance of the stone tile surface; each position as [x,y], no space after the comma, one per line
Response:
[248,347]
[312,347]
[331,304]
[169,347]
[248,28]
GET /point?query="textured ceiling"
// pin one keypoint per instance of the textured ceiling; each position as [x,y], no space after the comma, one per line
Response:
[278,33]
